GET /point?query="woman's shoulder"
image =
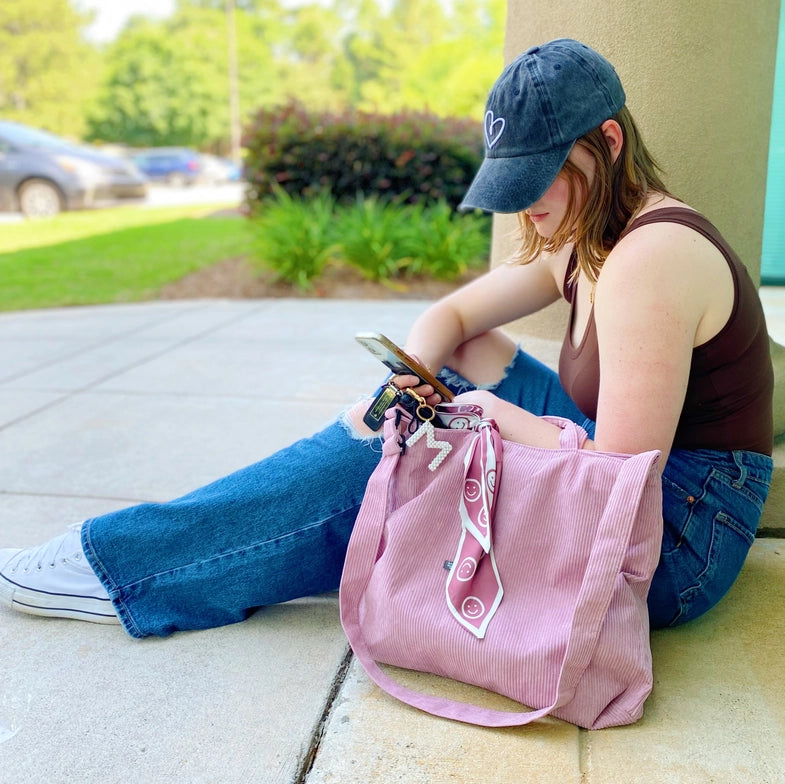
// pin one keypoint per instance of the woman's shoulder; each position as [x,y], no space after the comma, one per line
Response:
[663,261]
[664,225]
[661,209]
[662,243]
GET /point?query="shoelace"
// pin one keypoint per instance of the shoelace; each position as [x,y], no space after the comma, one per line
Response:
[46,554]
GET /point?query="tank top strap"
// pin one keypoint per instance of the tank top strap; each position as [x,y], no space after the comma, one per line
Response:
[682,215]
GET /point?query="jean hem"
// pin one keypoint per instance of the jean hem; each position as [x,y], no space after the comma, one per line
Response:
[123,613]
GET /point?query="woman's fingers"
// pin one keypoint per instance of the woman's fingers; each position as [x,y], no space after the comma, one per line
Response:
[423,390]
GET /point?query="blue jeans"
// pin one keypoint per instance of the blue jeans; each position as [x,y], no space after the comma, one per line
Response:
[278,530]
[711,504]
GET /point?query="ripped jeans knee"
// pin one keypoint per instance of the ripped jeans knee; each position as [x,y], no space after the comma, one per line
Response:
[352,420]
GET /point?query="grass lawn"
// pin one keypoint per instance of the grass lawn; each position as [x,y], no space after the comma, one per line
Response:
[121,254]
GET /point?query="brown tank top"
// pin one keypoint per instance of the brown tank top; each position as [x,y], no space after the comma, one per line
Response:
[728,404]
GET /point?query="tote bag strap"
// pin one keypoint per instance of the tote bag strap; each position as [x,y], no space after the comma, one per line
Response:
[594,596]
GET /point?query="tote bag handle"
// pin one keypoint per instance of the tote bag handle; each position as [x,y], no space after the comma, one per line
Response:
[594,596]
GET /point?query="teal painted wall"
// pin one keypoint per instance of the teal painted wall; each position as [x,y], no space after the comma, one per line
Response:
[772,266]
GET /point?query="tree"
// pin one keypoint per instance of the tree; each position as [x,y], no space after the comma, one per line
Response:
[167,82]
[48,73]
[435,60]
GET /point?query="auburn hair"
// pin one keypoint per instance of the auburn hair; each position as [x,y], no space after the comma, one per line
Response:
[617,192]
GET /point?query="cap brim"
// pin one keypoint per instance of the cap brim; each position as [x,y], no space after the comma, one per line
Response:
[513,184]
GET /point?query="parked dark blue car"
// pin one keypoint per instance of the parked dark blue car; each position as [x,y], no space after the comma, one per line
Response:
[172,165]
[42,174]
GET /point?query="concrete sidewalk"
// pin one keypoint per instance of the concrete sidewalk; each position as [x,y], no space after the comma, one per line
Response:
[108,406]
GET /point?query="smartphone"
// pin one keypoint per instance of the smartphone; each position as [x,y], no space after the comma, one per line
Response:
[400,362]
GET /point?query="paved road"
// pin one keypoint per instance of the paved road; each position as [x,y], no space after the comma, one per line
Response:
[170,196]
[164,195]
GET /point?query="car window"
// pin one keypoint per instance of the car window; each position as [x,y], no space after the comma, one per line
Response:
[30,137]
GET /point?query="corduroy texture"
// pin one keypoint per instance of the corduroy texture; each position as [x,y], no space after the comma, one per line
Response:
[576,536]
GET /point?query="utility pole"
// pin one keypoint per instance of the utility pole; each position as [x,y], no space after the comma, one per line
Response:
[234,94]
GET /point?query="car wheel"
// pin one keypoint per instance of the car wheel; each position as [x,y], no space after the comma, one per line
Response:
[39,199]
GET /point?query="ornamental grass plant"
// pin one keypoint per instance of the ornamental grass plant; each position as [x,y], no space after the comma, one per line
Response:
[383,241]
[295,237]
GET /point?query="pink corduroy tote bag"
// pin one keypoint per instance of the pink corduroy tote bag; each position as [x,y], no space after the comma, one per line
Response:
[518,569]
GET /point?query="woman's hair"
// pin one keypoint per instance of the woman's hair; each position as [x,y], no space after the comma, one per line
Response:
[618,190]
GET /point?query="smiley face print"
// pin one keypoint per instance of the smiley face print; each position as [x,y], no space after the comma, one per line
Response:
[472,608]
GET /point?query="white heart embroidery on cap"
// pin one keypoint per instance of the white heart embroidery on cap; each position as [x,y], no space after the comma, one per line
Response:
[494,128]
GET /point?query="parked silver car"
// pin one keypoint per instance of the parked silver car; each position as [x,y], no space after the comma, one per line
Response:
[42,174]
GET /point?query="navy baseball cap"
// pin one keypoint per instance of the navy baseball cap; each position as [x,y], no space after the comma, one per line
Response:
[544,100]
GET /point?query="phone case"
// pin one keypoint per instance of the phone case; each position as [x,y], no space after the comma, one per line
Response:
[397,360]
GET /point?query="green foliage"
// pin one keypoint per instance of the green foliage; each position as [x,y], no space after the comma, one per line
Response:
[76,261]
[47,72]
[128,253]
[385,241]
[295,238]
[447,244]
[161,89]
[375,237]
[166,81]
[435,56]
[82,224]
[409,157]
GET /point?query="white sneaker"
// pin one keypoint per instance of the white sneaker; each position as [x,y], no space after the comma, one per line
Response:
[55,579]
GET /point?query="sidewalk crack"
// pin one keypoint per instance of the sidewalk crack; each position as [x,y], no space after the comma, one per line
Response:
[584,756]
[315,741]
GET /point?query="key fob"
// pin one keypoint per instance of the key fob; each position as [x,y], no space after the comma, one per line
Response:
[388,396]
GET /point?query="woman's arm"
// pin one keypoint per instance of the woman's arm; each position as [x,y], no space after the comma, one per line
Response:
[504,294]
[652,305]
[514,423]
[656,290]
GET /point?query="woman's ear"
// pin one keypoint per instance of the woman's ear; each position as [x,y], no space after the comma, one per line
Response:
[614,136]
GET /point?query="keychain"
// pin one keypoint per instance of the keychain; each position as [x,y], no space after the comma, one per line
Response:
[422,411]
[388,396]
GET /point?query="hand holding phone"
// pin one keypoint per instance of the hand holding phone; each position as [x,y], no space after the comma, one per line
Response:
[401,363]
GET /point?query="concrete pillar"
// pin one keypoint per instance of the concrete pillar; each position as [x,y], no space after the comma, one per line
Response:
[699,78]
[699,81]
